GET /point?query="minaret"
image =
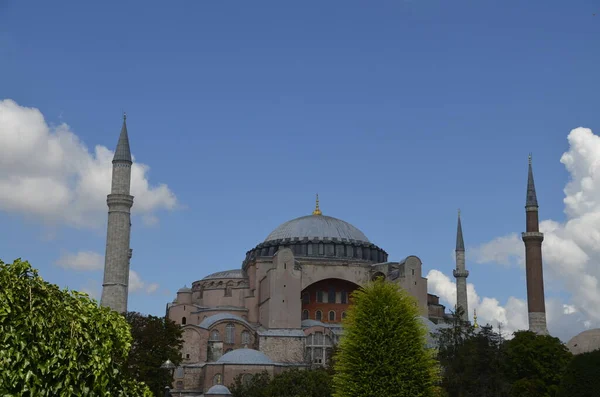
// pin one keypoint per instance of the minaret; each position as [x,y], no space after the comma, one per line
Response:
[461,273]
[533,261]
[116,261]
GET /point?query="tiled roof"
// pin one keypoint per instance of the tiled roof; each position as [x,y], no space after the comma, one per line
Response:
[123,153]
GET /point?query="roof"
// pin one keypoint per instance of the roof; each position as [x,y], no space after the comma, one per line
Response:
[123,152]
[460,242]
[185,289]
[585,341]
[210,321]
[235,273]
[219,390]
[317,226]
[531,200]
[245,356]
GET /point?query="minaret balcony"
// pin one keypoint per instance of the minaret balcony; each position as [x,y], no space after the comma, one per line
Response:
[532,236]
[460,273]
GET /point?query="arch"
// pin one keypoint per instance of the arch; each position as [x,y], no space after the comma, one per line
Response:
[179,372]
[331,315]
[246,379]
[217,379]
[215,336]
[318,315]
[305,314]
[183,321]
[377,275]
[230,333]
[245,337]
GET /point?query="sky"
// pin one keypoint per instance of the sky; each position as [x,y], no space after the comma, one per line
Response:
[396,112]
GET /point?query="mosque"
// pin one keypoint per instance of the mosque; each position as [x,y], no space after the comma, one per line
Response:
[283,307]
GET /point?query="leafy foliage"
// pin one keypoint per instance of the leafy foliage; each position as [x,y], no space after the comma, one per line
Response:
[534,364]
[581,376]
[292,383]
[472,361]
[57,342]
[382,351]
[155,339]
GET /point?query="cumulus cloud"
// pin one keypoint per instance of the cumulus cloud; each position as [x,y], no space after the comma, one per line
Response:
[571,250]
[136,284]
[82,260]
[46,172]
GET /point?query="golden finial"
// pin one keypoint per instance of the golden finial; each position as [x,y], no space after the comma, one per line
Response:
[317,211]
[475,325]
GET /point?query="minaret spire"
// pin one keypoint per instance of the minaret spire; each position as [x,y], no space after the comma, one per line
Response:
[118,254]
[533,260]
[461,273]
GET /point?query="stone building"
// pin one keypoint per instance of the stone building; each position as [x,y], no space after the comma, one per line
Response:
[283,308]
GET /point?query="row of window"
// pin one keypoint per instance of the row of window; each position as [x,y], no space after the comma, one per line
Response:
[330,296]
[218,379]
[319,315]
[215,335]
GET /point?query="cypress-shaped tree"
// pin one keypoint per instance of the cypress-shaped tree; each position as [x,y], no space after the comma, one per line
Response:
[382,351]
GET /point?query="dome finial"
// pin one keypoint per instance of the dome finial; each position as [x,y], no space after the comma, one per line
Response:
[317,211]
[475,325]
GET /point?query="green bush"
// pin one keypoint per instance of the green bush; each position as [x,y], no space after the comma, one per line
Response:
[57,342]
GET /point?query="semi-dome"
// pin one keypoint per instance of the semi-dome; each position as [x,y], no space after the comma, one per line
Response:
[245,356]
[585,342]
[218,390]
[317,226]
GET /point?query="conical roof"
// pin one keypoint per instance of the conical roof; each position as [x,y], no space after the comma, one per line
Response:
[123,153]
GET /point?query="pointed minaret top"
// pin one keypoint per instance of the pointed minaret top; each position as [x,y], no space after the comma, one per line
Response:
[531,196]
[123,153]
[460,243]
[317,211]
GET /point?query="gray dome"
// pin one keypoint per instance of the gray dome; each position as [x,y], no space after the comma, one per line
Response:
[245,356]
[219,390]
[585,342]
[317,226]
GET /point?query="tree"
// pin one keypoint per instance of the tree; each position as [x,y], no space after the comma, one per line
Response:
[57,342]
[471,360]
[534,364]
[155,339]
[383,349]
[291,383]
[256,387]
[581,376]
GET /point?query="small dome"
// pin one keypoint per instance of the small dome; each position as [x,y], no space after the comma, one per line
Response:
[317,226]
[218,390]
[184,289]
[585,342]
[245,356]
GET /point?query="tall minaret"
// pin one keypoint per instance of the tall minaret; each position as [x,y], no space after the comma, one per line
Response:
[116,261]
[461,273]
[533,261]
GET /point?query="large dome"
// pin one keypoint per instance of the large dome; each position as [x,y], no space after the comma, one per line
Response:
[317,226]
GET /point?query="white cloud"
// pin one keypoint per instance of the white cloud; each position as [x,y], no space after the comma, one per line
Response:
[571,250]
[82,260]
[136,284]
[46,172]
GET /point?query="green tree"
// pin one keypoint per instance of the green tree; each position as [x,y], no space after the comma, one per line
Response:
[581,376]
[383,350]
[471,360]
[291,383]
[155,339]
[256,387]
[534,364]
[57,342]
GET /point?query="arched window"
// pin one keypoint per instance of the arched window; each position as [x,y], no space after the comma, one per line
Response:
[245,338]
[344,297]
[319,296]
[246,379]
[305,314]
[318,315]
[228,288]
[215,336]
[343,315]
[331,315]
[217,379]
[179,372]
[183,321]
[230,333]
[331,295]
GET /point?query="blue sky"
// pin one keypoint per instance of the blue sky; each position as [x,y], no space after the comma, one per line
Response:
[396,112]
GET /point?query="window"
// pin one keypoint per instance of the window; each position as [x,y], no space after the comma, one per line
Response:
[187,356]
[344,297]
[318,355]
[318,315]
[331,297]
[230,333]
[179,385]
[305,314]
[183,321]
[320,296]
[228,290]
[245,338]
[305,298]
[215,336]
[343,315]
[179,372]
[331,315]
[246,379]
[217,379]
